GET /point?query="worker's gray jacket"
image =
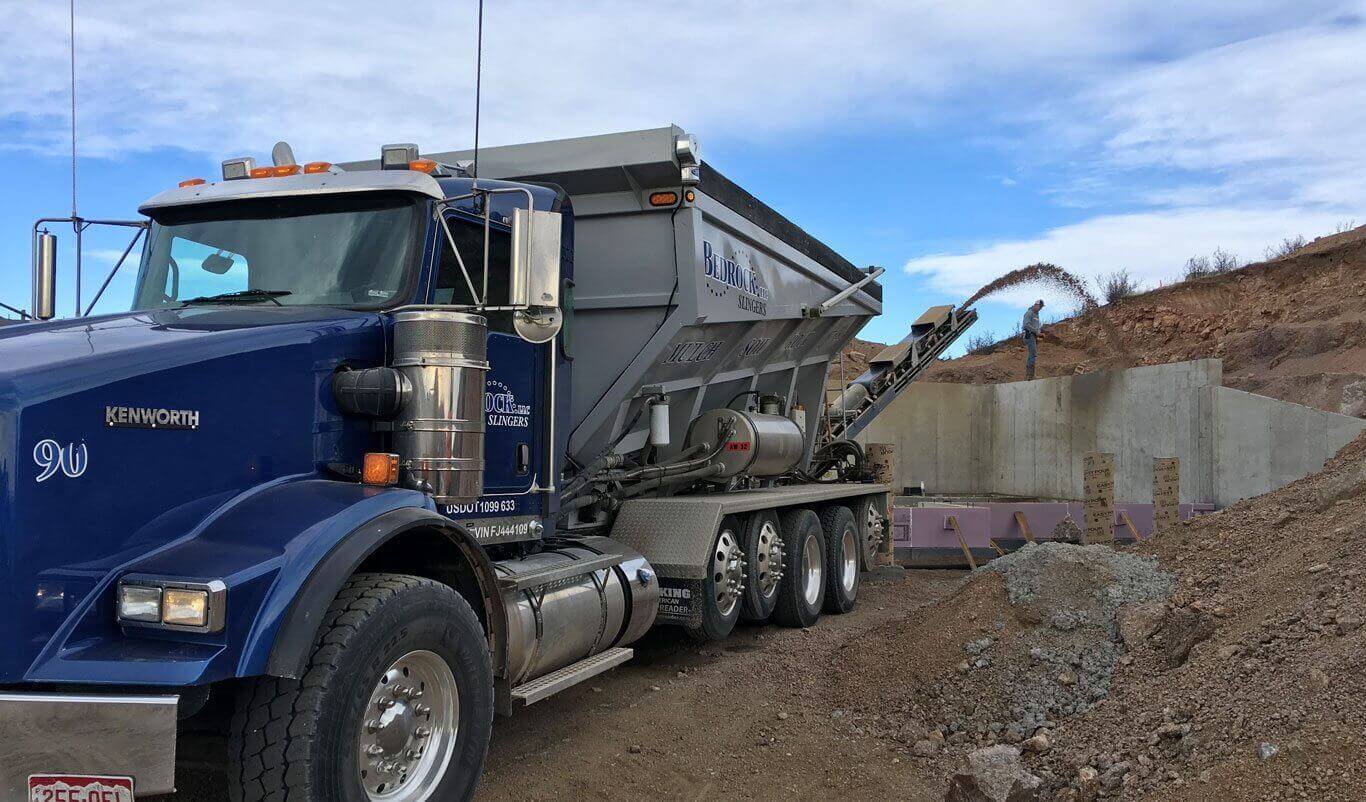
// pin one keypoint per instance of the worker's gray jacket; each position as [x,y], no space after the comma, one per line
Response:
[1031,324]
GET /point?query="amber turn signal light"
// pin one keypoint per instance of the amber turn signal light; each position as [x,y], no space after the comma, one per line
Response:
[663,198]
[380,469]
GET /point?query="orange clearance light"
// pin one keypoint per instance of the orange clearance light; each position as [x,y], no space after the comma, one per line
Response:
[663,198]
[380,469]
[279,171]
[690,196]
[191,182]
[422,166]
[317,167]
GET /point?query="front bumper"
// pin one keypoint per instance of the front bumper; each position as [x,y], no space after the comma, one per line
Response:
[53,733]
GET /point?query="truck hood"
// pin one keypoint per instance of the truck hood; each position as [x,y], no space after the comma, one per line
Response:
[120,434]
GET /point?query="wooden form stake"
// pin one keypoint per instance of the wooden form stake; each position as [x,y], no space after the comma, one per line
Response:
[1023,523]
[967,552]
[1128,522]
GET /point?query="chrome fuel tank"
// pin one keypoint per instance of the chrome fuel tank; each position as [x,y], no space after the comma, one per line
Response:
[563,621]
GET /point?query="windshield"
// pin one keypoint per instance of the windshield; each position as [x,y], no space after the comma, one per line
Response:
[340,250]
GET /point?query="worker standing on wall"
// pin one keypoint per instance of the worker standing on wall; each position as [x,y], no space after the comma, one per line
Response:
[1031,327]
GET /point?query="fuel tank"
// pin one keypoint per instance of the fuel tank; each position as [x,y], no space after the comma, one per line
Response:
[553,625]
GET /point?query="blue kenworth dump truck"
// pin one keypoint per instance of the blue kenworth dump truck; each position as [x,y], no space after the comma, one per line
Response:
[382,449]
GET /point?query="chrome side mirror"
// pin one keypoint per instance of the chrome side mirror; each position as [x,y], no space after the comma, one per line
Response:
[45,277]
[535,281]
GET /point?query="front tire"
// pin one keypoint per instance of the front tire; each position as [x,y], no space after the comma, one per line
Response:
[802,590]
[396,703]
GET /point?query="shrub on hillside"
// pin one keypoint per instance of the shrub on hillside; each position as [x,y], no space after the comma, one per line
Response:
[1286,247]
[1117,285]
[1197,267]
[1221,261]
[981,342]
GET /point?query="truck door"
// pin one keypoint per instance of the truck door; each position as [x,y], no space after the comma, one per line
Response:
[514,415]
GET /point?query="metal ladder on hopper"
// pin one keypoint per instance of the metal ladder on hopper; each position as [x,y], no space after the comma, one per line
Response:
[931,334]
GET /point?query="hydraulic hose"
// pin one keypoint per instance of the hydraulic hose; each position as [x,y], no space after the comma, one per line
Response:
[678,479]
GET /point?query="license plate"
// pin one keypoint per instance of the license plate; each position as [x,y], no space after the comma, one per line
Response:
[79,788]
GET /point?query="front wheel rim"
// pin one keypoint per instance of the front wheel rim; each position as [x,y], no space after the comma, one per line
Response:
[811,571]
[409,729]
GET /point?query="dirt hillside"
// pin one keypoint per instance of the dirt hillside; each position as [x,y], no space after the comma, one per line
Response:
[1293,328]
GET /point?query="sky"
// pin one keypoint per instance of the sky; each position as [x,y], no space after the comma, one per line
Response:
[946,142]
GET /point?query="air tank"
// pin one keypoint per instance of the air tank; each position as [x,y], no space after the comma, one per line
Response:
[758,444]
[439,435]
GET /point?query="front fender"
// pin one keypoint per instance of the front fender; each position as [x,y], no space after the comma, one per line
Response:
[285,639]
[263,545]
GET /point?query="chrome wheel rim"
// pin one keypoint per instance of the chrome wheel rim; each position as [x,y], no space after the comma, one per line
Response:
[849,558]
[872,530]
[409,730]
[728,572]
[769,556]
[811,571]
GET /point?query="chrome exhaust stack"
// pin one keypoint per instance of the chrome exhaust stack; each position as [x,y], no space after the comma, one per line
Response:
[439,434]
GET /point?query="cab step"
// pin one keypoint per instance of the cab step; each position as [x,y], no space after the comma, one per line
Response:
[569,676]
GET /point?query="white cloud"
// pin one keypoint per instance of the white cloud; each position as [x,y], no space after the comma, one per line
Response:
[1152,246]
[1232,147]
[338,78]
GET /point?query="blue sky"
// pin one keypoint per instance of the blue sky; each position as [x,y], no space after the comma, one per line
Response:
[948,142]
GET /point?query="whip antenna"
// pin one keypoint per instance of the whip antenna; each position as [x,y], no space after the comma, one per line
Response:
[478,78]
[73,109]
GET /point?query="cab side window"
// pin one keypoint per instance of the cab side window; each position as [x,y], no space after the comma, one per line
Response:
[451,287]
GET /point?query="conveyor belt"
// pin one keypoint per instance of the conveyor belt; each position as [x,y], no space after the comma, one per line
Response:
[895,367]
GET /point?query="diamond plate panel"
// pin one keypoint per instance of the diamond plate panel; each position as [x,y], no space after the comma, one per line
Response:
[674,534]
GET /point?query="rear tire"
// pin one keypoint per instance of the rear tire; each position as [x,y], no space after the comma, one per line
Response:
[723,590]
[843,552]
[400,665]
[764,552]
[802,589]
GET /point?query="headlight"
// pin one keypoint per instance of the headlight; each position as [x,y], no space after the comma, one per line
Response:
[186,608]
[172,604]
[140,603]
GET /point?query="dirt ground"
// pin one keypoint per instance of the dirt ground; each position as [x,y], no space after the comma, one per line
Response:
[753,717]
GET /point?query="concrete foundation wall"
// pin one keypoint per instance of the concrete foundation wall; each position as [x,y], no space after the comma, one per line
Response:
[1030,438]
[1261,443]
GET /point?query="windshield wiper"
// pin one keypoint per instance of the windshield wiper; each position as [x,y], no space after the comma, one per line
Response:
[241,296]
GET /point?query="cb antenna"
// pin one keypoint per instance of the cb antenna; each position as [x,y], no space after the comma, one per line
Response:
[74,215]
[478,78]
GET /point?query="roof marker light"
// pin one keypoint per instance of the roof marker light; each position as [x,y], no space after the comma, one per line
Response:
[317,167]
[278,171]
[423,166]
[191,182]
